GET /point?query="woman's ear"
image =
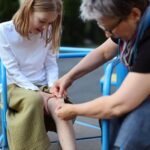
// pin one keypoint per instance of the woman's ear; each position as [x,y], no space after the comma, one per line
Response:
[135,14]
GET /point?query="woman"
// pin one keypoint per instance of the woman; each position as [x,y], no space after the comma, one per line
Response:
[128,108]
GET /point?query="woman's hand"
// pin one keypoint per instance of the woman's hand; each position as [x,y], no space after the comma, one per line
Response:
[66,111]
[59,89]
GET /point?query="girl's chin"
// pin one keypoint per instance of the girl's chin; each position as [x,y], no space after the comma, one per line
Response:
[35,32]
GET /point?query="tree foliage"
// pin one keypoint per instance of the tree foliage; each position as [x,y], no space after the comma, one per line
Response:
[7,9]
[75,32]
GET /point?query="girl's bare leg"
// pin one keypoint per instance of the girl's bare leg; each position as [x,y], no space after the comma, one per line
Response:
[64,128]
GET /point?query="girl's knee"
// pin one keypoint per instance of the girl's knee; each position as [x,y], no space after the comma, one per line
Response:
[53,103]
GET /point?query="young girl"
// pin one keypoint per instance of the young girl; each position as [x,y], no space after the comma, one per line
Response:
[28,44]
[129,107]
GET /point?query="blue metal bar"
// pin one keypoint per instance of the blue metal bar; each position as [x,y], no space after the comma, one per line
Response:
[1,138]
[121,71]
[87,125]
[106,91]
[72,55]
[4,102]
[74,49]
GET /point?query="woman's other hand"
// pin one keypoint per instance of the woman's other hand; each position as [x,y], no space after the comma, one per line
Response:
[66,111]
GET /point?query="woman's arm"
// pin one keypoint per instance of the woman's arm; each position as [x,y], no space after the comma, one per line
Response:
[94,59]
[133,91]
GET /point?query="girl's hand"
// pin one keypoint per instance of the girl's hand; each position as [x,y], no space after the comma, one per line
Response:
[46,97]
[66,111]
[59,89]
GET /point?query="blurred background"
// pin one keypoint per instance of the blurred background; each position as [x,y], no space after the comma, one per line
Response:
[75,32]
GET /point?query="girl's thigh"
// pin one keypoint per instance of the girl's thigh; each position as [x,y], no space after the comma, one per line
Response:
[20,98]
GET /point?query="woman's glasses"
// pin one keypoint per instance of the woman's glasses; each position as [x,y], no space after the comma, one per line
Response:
[110,30]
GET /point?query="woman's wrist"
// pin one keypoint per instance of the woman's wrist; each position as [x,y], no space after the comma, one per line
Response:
[75,110]
[69,77]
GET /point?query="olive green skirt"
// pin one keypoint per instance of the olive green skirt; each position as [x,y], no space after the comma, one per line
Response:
[27,123]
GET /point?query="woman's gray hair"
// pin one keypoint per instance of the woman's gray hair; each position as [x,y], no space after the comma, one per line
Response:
[90,9]
[94,9]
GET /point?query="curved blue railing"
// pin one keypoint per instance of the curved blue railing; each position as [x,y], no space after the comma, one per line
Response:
[74,49]
[72,55]
[121,72]
[3,137]
[106,91]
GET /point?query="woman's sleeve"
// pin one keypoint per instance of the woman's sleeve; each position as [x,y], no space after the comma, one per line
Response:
[142,61]
[12,66]
[51,67]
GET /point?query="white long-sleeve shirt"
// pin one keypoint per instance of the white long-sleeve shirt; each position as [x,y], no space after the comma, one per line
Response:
[28,62]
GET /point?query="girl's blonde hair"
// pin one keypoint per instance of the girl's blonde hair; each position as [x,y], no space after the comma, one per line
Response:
[21,19]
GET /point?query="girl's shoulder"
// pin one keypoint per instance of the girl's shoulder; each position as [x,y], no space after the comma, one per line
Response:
[7,29]
[8,32]
[7,26]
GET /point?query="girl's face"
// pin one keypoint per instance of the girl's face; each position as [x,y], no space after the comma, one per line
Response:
[124,29]
[40,21]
